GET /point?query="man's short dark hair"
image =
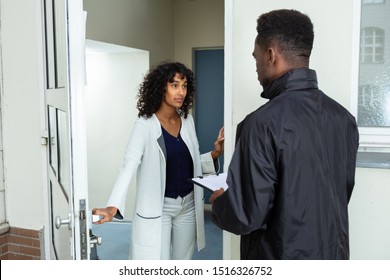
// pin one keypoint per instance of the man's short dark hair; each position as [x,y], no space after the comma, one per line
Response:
[289,30]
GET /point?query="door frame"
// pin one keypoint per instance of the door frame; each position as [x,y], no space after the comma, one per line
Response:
[76,45]
[231,244]
[200,124]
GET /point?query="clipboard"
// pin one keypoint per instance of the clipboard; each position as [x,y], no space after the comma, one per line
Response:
[212,182]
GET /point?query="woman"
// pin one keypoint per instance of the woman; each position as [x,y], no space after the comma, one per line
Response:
[163,148]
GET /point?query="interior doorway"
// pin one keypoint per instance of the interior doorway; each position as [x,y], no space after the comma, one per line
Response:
[114,73]
[209,99]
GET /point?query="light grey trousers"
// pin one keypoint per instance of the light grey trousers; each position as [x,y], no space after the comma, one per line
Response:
[178,228]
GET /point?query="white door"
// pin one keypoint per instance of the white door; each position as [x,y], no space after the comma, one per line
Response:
[69,224]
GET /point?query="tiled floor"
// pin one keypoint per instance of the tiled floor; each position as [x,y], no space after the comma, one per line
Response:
[116,237]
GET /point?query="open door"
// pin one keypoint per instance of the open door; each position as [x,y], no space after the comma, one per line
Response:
[64,29]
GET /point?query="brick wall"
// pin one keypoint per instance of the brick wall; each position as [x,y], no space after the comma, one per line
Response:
[20,244]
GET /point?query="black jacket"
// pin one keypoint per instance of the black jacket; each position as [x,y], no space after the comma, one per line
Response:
[292,174]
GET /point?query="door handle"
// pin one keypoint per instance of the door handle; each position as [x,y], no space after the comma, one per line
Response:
[60,222]
[94,239]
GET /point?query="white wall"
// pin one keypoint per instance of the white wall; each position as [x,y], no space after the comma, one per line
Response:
[168,29]
[22,111]
[113,76]
[369,215]
[203,27]
[333,61]
[141,24]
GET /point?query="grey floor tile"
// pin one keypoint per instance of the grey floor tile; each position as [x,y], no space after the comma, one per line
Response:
[116,241]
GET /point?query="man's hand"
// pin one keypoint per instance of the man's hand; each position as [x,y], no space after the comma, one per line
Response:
[216,194]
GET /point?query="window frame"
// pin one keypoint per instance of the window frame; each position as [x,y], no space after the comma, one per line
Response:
[372,2]
[372,139]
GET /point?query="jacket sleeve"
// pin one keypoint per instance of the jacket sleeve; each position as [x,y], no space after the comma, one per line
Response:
[132,159]
[246,204]
[352,146]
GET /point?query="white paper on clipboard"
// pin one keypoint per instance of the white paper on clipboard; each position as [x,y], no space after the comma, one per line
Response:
[212,182]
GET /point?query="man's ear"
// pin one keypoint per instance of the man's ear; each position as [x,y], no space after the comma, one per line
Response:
[271,55]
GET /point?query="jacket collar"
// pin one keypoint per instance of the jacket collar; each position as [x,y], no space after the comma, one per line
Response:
[296,79]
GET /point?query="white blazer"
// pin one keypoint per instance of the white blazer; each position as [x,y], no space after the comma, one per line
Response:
[146,154]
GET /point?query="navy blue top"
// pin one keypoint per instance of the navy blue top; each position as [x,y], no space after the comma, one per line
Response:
[179,166]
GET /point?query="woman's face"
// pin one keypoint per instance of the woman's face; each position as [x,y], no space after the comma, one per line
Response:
[176,92]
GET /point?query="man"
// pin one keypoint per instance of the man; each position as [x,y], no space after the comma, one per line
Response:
[292,172]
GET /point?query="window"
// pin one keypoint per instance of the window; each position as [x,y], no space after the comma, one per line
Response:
[372,45]
[373,86]
[374,106]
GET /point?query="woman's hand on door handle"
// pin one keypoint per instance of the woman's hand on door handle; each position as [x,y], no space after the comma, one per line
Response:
[107,214]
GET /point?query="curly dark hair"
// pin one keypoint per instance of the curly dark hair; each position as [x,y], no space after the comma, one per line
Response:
[152,89]
[290,30]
